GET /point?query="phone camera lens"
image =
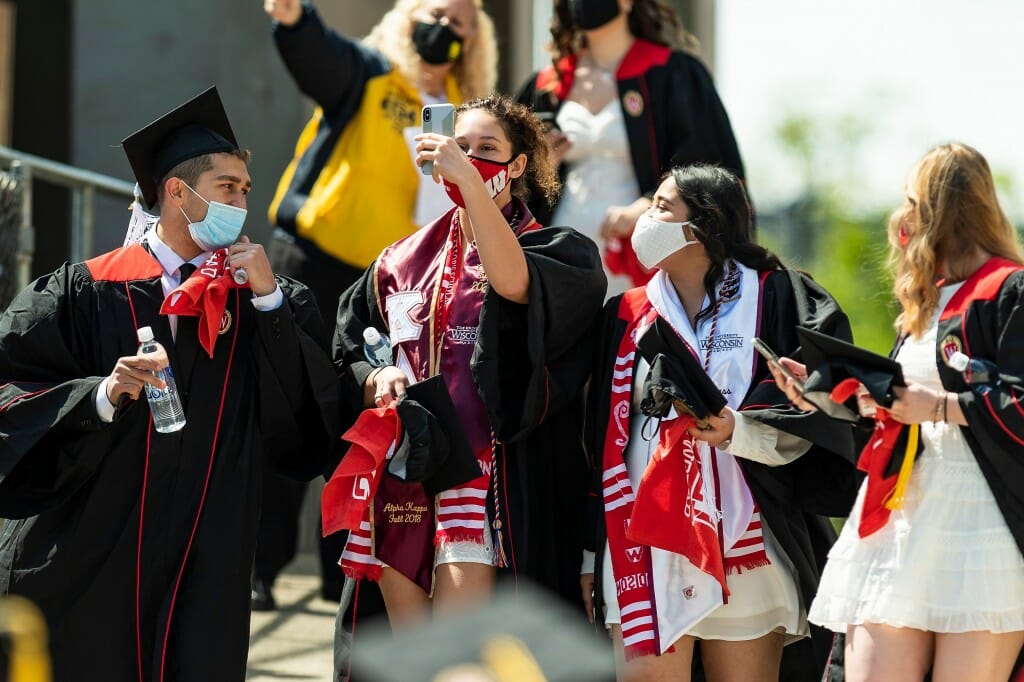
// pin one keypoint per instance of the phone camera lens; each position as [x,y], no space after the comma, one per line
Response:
[426,114]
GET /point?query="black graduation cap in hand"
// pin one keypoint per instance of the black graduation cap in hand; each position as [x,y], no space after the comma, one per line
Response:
[676,378]
[830,361]
[434,450]
[197,127]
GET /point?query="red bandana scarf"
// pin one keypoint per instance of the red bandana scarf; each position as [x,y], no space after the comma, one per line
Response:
[883,493]
[670,484]
[204,295]
[346,496]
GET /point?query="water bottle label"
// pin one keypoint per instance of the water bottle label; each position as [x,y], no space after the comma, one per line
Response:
[154,393]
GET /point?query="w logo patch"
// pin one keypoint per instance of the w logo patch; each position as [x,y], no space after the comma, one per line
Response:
[635,554]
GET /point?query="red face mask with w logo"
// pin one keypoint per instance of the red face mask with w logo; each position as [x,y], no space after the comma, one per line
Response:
[494,174]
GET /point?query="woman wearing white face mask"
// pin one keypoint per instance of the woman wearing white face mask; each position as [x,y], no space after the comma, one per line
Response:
[738,569]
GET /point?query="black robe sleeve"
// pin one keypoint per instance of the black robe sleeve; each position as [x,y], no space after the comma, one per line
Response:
[532,360]
[357,309]
[994,331]
[48,420]
[328,67]
[301,414]
[701,132]
[823,480]
[999,413]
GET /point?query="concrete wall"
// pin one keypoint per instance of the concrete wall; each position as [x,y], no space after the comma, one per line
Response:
[132,61]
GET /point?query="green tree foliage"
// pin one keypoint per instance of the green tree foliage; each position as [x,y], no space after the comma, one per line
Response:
[842,245]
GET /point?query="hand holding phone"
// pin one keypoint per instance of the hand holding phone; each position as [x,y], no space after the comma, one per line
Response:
[773,360]
[439,119]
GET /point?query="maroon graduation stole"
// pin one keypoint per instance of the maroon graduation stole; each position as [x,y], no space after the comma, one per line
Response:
[672,482]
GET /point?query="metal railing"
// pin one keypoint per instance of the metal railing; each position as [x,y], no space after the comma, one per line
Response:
[84,184]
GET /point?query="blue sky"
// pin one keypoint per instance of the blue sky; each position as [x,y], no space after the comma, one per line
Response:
[916,72]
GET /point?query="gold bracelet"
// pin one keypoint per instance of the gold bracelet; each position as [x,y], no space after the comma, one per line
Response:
[940,409]
[945,406]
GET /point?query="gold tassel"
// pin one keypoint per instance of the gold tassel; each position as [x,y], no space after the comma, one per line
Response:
[895,499]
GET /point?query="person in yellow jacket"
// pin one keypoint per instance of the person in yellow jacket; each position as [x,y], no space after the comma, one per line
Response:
[352,187]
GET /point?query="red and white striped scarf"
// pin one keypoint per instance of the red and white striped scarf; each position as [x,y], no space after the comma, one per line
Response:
[670,483]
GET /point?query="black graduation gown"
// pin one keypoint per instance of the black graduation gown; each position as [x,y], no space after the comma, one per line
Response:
[530,364]
[94,522]
[795,499]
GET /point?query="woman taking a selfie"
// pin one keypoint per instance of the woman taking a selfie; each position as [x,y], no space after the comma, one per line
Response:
[936,583]
[354,166]
[499,307]
[710,534]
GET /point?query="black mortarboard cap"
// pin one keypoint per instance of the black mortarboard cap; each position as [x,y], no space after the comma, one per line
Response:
[199,126]
[676,377]
[830,361]
[524,633]
[434,449]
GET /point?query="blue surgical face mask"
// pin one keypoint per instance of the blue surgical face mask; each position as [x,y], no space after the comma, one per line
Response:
[221,226]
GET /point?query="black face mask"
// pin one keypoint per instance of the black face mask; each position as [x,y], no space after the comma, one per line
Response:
[436,43]
[591,14]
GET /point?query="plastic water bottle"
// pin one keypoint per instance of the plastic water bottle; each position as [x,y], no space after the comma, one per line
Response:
[377,347]
[980,374]
[164,404]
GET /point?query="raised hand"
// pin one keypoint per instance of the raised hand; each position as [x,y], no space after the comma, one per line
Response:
[284,12]
[253,259]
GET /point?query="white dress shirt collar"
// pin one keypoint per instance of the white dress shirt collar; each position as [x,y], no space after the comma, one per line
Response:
[169,260]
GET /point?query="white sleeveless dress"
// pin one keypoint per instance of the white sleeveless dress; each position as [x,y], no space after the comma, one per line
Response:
[600,173]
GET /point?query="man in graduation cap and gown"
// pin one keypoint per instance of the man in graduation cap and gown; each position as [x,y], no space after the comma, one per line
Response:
[138,545]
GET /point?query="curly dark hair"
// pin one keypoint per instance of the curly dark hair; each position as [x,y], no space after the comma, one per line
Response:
[653,20]
[524,130]
[720,212]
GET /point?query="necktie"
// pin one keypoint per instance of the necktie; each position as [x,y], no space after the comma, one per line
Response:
[187,338]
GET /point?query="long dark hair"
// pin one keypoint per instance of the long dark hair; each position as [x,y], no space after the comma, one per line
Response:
[720,212]
[655,21]
[523,129]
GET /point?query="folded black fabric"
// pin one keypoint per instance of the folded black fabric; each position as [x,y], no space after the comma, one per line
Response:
[434,449]
[830,361]
[676,377]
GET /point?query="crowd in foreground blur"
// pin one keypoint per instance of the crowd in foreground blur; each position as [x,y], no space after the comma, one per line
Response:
[527,338]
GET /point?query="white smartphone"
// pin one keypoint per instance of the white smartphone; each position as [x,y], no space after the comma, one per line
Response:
[440,119]
[773,359]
